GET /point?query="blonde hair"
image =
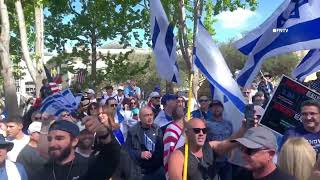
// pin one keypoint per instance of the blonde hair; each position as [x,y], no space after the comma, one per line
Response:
[297,157]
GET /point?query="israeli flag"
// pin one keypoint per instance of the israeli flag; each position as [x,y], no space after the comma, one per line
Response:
[163,43]
[294,26]
[119,136]
[210,62]
[308,65]
[59,102]
[149,144]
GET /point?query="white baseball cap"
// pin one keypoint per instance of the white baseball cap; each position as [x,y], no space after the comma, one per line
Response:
[154,94]
[35,126]
[90,91]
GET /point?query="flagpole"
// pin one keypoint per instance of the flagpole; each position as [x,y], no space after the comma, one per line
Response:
[186,149]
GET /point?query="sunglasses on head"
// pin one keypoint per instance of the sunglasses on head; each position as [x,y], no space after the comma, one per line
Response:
[197,130]
[249,151]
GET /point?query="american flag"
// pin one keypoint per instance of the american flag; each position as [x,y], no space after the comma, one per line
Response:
[81,76]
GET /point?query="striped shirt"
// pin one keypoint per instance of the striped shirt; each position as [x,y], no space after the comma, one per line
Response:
[172,140]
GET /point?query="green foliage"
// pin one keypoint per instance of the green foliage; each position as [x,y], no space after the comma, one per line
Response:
[87,25]
[208,19]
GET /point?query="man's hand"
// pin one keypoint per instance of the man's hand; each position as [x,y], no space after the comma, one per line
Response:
[146,155]
[93,125]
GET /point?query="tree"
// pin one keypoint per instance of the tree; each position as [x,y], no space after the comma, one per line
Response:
[88,26]
[35,64]
[6,65]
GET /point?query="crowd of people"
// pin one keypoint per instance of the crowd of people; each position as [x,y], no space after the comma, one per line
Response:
[114,136]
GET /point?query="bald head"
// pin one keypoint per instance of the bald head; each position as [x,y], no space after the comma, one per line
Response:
[194,122]
[146,116]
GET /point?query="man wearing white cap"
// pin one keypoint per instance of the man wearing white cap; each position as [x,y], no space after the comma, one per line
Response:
[29,157]
[91,95]
[154,103]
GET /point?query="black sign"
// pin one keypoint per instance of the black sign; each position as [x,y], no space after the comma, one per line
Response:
[283,110]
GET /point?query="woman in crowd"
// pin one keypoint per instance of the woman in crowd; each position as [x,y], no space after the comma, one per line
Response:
[134,107]
[297,158]
[93,109]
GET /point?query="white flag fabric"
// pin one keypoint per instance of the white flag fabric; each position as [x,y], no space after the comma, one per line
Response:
[163,43]
[308,65]
[294,26]
[211,63]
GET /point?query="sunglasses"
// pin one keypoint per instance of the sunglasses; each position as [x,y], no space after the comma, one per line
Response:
[113,105]
[156,97]
[65,115]
[37,118]
[203,100]
[249,151]
[133,103]
[197,130]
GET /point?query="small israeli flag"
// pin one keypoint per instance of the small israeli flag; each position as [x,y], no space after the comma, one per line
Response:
[150,145]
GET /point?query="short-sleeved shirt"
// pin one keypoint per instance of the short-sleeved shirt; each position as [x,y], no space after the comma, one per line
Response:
[202,115]
[312,138]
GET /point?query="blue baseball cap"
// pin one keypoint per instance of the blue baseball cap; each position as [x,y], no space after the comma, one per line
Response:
[66,126]
[167,97]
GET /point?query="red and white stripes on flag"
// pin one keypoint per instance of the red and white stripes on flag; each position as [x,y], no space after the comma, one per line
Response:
[172,140]
[81,76]
[54,87]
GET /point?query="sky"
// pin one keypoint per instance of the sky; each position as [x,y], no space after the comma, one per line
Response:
[232,25]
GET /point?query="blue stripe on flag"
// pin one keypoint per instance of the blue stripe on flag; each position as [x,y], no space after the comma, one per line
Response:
[316,65]
[236,101]
[119,136]
[285,39]
[249,47]
[156,32]
[310,53]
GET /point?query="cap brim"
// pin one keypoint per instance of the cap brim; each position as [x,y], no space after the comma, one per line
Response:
[7,145]
[248,143]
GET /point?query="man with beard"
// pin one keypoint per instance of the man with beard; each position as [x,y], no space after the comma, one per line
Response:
[220,129]
[85,144]
[64,163]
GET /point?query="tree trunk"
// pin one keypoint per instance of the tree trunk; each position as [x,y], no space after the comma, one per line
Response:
[11,102]
[25,49]
[94,59]
[39,48]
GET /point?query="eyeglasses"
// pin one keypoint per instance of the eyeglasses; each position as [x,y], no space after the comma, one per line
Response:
[197,130]
[37,118]
[113,105]
[65,115]
[246,92]
[133,103]
[249,151]
[156,97]
[203,100]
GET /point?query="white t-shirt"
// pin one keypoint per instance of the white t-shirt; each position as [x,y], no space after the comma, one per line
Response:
[17,147]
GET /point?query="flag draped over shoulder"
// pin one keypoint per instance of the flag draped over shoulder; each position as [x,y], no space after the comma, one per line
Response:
[294,26]
[163,43]
[210,62]
[308,65]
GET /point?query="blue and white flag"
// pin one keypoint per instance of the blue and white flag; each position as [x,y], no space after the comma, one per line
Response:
[59,102]
[294,26]
[119,136]
[210,62]
[149,144]
[308,65]
[163,43]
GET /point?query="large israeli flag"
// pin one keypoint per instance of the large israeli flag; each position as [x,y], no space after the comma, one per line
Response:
[163,43]
[308,65]
[294,26]
[210,62]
